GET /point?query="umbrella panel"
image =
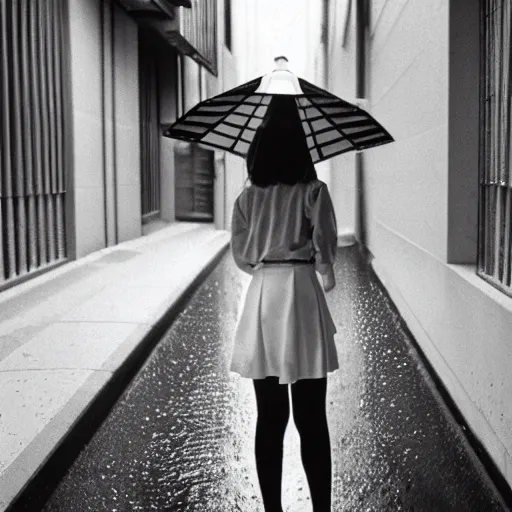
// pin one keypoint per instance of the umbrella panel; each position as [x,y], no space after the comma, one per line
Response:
[229,121]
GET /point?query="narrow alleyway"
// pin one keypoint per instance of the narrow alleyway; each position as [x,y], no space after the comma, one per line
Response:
[181,437]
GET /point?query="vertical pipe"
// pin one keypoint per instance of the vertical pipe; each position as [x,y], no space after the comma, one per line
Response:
[144,135]
[491,195]
[360,92]
[481,144]
[49,71]
[497,138]
[156,128]
[494,80]
[26,114]
[506,132]
[489,152]
[153,136]
[157,138]
[50,13]
[497,90]
[8,248]
[3,149]
[61,238]
[114,119]
[37,132]
[102,7]
[506,92]
[506,238]
[142,88]
[47,79]
[497,230]
[149,131]
[44,131]
[180,85]
[67,140]
[484,65]
[2,267]
[19,168]
[508,177]
[508,281]
[57,55]
[107,55]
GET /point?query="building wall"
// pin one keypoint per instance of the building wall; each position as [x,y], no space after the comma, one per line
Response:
[85,51]
[342,82]
[314,68]
[168,83]
[127,127]
[235,67]
[408,90]
[105,125]
[417,189]
[233,167]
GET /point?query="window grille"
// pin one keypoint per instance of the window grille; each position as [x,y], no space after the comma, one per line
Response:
[198,26]
[33,136]
[150,128]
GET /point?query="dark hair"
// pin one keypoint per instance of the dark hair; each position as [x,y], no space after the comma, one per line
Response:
[279,151]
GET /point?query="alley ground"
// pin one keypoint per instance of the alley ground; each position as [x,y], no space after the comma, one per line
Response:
[181,437]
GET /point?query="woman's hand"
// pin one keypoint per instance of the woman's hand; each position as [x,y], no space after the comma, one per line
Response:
[328,280]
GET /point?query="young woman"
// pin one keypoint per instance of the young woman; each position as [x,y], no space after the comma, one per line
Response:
[283,232]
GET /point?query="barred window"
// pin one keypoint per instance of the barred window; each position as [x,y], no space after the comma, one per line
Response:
[495,208]
[33,137]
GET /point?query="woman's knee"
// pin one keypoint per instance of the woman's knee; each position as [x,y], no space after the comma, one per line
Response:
[309,425]
[308,400]
[272,403]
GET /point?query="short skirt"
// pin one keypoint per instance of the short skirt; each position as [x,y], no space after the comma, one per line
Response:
[285,328]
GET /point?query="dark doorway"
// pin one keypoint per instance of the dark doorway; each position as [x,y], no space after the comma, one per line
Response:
[195,175]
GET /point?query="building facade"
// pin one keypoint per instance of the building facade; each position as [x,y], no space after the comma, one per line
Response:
[88,89]
[434,208]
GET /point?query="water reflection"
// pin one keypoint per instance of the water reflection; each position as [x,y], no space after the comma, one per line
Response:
[182,436]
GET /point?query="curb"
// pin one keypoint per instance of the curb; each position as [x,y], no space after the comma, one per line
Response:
[43,482]
[478,450]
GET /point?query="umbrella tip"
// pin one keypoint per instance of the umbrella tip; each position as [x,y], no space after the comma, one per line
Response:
[281,62]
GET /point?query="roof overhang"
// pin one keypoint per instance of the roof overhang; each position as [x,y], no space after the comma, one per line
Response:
[164,17]
[163,7]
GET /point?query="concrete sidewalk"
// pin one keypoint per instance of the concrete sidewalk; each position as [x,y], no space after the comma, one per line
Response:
[65,334]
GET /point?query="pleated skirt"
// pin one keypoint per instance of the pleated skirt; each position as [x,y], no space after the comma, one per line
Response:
[285,328]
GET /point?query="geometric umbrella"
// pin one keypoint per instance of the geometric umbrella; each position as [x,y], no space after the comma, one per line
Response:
[229,120]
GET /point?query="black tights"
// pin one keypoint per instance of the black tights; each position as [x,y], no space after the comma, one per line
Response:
[309,415]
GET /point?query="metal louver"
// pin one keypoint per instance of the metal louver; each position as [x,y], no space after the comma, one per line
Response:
[495,202]
[33,137]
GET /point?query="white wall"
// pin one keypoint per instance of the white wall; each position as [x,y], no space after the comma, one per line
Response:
[233,169]
[342,82]
[168,74]
[407,180]
[127,127]
[461,323]
[85,52]
[88,125]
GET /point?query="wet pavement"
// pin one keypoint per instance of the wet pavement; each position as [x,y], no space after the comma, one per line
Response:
[181,438]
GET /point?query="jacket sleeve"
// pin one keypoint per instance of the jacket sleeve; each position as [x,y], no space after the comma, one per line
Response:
[325,231]
[239,236]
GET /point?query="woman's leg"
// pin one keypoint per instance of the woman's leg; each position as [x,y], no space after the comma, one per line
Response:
[309,414]
[273,414]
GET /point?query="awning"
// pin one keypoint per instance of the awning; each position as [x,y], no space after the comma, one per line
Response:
[193,31]
[165,7]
